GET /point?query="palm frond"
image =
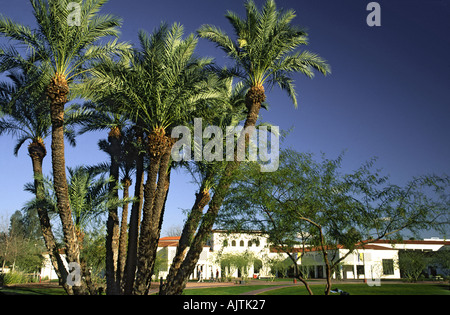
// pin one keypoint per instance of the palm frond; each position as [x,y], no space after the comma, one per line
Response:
[216,35]
[266,47]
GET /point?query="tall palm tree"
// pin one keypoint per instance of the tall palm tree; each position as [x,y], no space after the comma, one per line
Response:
[27,117]
[160,85]
[177,84]
[127,165]
[228,112]
[264,51]
[103,117]
[113,78]
[67,51]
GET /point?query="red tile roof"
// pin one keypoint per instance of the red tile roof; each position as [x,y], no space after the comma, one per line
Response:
[370,245]
[418,242]
[169,241]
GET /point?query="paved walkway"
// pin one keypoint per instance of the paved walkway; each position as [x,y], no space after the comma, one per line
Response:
[194,285]
[256,292]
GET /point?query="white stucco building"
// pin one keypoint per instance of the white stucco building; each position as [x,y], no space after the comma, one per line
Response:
[376,260]
[47,270]
[216,249]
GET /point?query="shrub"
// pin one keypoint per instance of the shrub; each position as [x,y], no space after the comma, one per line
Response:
[14,277]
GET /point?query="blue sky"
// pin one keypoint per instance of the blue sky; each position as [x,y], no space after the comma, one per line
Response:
[387,96]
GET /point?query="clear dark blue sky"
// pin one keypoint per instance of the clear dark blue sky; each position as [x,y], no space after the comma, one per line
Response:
[388,95]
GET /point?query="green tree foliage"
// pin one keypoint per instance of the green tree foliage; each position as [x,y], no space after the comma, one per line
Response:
[63,53]
[330,207]
[412,264]
[264,50]
[20,248]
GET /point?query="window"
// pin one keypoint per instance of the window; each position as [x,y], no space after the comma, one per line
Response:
[360,269]
[233,243]
[241,243]
[249,244]
[388,266]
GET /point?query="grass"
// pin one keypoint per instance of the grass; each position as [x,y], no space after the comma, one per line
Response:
[364,289]
[23,290]
[231,290]
[353,289]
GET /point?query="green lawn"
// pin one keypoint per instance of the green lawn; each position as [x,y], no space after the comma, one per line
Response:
[364,289]
[353,289]
[231,290]
[31,291]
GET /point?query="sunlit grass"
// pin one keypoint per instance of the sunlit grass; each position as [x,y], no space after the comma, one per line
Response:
[364,289]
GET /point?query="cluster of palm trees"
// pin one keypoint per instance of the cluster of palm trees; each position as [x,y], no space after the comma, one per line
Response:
[139,94]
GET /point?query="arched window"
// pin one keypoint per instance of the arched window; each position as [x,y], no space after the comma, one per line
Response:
[241,243]
[233,243]
[249,244]
[257,243]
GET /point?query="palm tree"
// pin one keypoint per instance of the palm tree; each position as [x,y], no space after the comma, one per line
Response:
[158,86]
[264,52]
[127,165]
[27,117]
[67,51]
[103,117]
[228,112]
[177,83]
[90,198]
[112,77]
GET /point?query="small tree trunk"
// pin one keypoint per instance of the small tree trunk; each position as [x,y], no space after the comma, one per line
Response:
[325,259]
[298,276]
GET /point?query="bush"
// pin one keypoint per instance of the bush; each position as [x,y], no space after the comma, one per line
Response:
[14,277]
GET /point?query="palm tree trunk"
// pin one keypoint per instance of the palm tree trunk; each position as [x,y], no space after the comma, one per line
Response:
[37,153]
[133,231]
[126,182]
[112,225]
[254,97]
[201,200]
[162,191]
[187,267]
[159,148]
[57,91]
[143,273]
